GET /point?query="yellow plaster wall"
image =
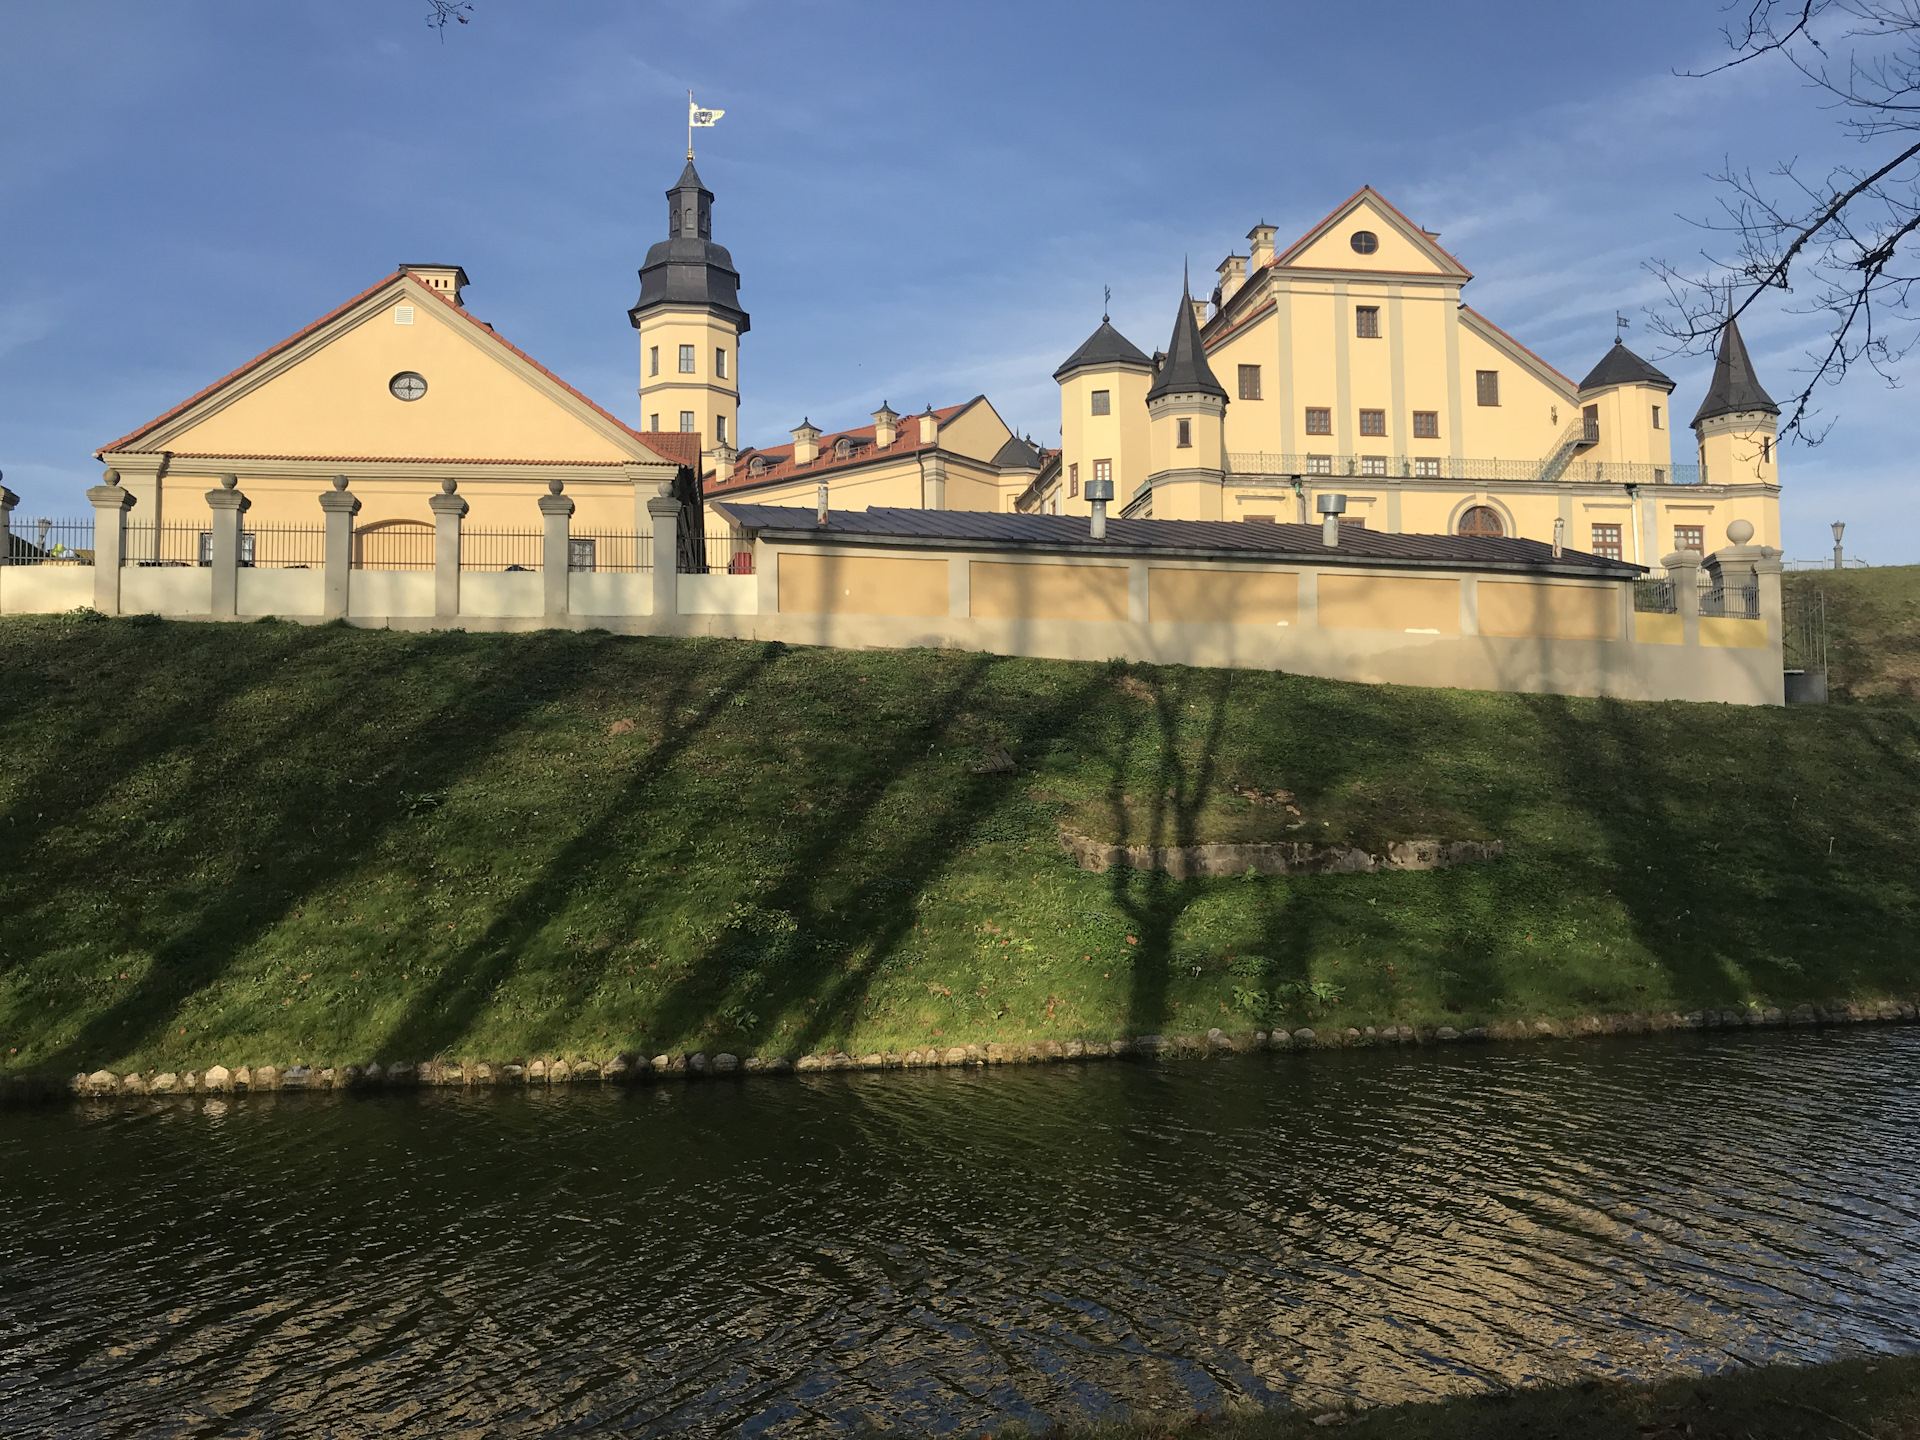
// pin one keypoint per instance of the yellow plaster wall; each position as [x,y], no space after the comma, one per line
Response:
[861,585]
[1334,250]
[1731,447]
[1727,633]
[1164,451]
[978,431]
[1211,597]
[1120,436]
[336,402]
[1626,426]
[1561,612]
[1003,591]
[1387,602]
[1655,629]
[1523,425]
[670,392]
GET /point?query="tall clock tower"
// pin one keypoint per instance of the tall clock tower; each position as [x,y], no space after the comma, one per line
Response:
[690,324]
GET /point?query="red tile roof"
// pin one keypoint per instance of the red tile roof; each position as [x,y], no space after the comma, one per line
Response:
[780,457]
[395,459]
[674,452]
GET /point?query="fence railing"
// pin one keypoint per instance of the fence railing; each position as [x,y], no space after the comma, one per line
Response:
[609,551]
[1803,631]
[1738,604]
[49,542]
[729,554]
[168,545]
[398,547]
[1286,465]
[501,549]
[1655,597]
[284,547]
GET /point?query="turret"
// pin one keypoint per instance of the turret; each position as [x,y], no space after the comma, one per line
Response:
[1103,417]
[1737,423]
[690,324]
[1627,417]
[1186,417]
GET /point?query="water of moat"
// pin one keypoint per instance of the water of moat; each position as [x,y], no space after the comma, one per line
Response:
[946,1251]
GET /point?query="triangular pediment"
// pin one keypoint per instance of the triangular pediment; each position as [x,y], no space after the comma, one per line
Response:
[1400,247]
[334,390]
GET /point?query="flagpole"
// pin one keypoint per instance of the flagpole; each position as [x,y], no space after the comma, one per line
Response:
[689,127]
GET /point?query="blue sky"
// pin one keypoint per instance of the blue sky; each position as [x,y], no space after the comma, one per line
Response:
[923,201]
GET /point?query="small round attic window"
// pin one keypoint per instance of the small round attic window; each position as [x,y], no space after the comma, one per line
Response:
[408,385]
[1364,242]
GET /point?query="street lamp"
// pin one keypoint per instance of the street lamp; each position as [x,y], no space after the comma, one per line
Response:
[1839,529]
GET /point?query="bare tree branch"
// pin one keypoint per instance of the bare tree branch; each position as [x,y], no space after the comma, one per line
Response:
[439,12]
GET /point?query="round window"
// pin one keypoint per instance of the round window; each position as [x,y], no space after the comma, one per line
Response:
[1482,520]
[408,385]
[1364,242]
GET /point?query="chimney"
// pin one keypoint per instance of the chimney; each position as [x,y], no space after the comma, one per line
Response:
[1098,493]
[820,506]
[1233,274]
[1199,312]
[724,457]
[445,280]
[806,444]
[1331,508]
[884,429]
[929,427]
[1559,536]
[1260,245]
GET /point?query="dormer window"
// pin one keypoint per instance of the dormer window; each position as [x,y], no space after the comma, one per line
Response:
[758,465]
[844,447]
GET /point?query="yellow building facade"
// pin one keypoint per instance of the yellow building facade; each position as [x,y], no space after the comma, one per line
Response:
[1349,363]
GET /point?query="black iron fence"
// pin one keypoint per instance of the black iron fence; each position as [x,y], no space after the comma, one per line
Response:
[49,542]
[166,545]
[284,547]
[1655,597]
[393,547]
[1731,602]
[729,554]
[609,551]
[501,549]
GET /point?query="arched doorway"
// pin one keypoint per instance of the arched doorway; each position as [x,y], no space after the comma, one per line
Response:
[1482,520]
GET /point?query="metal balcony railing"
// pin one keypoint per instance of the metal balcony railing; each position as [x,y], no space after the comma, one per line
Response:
[1288,466]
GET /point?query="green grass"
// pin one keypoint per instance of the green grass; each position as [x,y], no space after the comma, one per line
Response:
[1878,1399]
[1873,629]
[272,844]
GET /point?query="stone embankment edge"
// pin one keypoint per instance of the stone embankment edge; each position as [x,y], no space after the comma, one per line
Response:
[627,1068]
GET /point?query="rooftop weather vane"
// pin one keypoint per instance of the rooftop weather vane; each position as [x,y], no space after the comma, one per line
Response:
[1106,303]
[697,116]
[1620,326]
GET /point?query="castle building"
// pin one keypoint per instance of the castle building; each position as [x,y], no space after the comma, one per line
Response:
[1351,365]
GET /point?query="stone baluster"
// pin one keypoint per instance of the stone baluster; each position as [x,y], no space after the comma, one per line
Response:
[340,505]
[110,505]
[556,510]
[664,511]
[228,505]
[448,511]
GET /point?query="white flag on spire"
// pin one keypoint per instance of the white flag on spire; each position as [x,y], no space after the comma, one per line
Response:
[699,117]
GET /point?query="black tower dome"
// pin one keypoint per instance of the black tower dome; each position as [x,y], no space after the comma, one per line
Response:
[687,268]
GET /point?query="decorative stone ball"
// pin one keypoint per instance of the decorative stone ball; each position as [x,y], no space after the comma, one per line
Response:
[554,486]
[339,482]
[1740,531]
[229,482]
[449,485]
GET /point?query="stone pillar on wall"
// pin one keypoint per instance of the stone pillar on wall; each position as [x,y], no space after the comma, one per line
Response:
[448,511]
[664,511]
[556,513]
[1741,564]
[228,505]
[1683,569]
[340,505]
[933,481]
[7,501]
[110,506]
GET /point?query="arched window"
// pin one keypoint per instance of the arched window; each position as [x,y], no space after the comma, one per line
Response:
[1482,520]
[757,465]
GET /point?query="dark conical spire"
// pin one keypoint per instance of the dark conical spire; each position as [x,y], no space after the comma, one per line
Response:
[1620,366]
[687,268]
[1185,370]
[1735,387]
[1103,350]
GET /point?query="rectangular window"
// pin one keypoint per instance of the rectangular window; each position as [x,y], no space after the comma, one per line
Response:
[1073,480]
[1366,321]
[686,420]
[1690,537]
[654,421]
[1766,449]
[1426,424]
[206,547]
[1103,470]
[719,364]
[720,429]
[1373,465]
[1103,402]
[1606,541]
[1319,464]
[1352,522]
[1373,422]
[686,359]
[580,554]
[1319,420]
[653,359]
[1427,469]
[1249,382]
[1656,417]
[1185,440]
[1486,386]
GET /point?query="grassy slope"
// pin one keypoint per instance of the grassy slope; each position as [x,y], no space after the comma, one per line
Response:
[244,844]
[1875,1398]
[1873,629]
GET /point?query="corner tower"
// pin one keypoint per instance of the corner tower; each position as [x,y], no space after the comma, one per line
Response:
[690,324]
[1186,426]
[1103,415]
[1738,422]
